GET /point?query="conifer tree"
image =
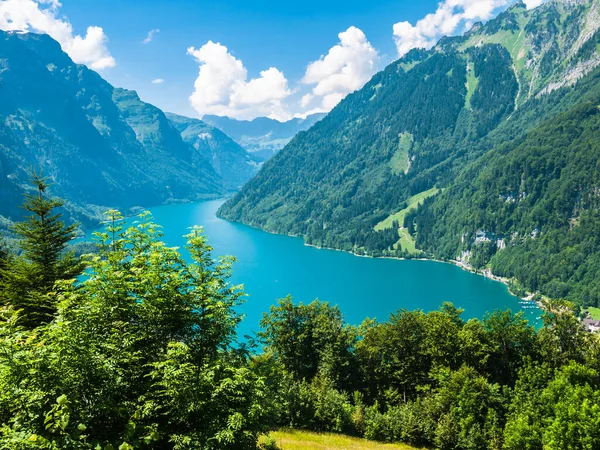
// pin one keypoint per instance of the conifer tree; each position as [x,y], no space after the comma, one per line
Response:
[4,256]
[30,277]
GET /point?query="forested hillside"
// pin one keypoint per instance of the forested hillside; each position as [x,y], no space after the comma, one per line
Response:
[422,125]
[101,145]
[539,196]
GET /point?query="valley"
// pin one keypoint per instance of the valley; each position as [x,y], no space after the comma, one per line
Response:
[262,137]
[103,147]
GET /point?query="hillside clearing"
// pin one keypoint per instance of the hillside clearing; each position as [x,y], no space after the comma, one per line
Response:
[400,162]
[412,203]
[406,241]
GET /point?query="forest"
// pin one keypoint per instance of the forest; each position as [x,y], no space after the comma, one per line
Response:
[134,346]
[540,196]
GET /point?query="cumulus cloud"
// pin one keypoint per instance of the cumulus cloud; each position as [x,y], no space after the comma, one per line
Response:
[150,36]
[42,17]
[222,86]
[306,100]
[346,68]
[158,81]
[451,17]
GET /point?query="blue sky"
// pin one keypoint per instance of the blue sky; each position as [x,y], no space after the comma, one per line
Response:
[243,58]
[263,34]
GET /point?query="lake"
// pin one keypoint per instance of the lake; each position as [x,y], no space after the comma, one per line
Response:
[272,266]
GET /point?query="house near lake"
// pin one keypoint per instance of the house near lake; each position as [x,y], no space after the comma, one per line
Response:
[591,325]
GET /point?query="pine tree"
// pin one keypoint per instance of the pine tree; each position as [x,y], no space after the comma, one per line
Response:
[4,256]
[29,278]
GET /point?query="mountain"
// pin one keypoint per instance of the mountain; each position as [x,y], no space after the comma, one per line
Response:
[482,148]
[262,137]
[529,209]
[101,146]
[233,164]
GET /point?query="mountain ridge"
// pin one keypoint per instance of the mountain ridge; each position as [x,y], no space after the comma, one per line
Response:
[101,146]
[230,160]
[262,137]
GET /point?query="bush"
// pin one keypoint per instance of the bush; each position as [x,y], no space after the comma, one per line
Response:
[268,443]
[399,423]
[139,354]
[317,406]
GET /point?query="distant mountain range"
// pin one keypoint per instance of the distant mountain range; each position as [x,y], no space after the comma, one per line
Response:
[484,148]
[262,137]
[233,164]
[101,146]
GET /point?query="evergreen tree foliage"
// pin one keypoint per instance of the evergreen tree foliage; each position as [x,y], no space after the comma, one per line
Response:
[539,196]
[4,258]
[44,257]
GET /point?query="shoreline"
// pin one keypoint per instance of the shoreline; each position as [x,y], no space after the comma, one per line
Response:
[486,273]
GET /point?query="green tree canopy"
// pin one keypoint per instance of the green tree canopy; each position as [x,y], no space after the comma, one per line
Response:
[310,338]
[44,258]
[139,355]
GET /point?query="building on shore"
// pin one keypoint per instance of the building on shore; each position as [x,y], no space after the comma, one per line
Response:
[591,325]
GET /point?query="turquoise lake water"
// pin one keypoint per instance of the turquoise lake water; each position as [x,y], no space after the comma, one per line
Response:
[273,266]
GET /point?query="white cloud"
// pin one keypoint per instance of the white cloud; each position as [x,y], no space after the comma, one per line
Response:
[41,17]
[346,68]
[222,86]
[533,3]
[451,17]
[306,100]
[158,81]
[150,36]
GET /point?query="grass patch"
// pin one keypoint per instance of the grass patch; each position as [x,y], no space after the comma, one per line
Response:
[303,440]
[405,240]
[400,162]
[412,203]
[472,83]
[408,66]
[512,41]
[594,312]
[376,89]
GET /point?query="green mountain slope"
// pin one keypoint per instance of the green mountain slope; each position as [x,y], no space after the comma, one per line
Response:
[423,123]
[101,146]
[531,209]
[262,137]
[234,164]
